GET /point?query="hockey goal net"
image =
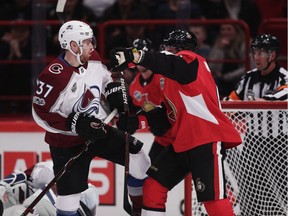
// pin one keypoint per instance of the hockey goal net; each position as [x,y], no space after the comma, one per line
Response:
[256,171]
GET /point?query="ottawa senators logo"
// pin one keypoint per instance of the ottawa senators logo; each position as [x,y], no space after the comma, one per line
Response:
[199,186]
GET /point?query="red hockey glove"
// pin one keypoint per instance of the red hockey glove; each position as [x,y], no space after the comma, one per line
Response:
[89,128]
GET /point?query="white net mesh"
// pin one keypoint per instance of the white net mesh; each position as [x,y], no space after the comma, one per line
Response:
[256,171]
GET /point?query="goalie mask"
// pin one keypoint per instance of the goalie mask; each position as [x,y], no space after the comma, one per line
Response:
[181,40]
[76,31]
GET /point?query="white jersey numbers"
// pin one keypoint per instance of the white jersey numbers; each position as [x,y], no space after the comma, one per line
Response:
[43,88]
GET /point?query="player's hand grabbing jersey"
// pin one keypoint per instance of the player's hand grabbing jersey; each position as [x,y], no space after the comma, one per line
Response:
[62,89]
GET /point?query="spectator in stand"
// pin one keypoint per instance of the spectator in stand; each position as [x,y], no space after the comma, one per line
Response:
[246,10]
[98,7]
[16,10]
[125,37]
[268,81]
[203,48]
[73,10]
[15,44]
[123,10]
[279,8]
[15,79]
[229,46]
[174,9]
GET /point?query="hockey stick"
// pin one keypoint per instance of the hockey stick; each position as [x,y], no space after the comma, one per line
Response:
[64,169]
[60,10]
[126,204]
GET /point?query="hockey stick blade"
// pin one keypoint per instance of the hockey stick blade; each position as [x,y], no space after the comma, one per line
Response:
[60,10]
[63,170]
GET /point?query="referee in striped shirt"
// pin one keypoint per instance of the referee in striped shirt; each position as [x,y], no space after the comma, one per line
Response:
[268,81]
[265,144]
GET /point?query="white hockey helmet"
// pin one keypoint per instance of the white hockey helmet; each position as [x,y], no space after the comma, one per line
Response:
[74,30]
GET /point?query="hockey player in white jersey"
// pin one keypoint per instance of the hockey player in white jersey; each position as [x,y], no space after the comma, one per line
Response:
[66,104]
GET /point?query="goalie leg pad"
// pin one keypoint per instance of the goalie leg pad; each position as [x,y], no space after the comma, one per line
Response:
[154,195]
[41,174]
[139,164]
[45,205]
[15,178]
[68,203]
[215,207]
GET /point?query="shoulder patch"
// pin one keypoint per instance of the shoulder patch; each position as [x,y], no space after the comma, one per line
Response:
[55,68]
[161,82]
[138,95]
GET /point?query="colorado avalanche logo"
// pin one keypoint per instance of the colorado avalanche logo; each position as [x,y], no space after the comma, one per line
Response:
[89,102]
[55,68]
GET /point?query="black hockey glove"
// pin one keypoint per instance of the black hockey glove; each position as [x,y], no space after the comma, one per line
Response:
[134,145]
[89,128]
[114,96]
[129,124]
[120,58]
[158,121]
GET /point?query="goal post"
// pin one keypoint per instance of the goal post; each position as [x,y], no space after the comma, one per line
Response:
[256,170]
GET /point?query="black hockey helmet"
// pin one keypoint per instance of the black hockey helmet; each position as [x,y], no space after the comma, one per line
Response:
[142,44]
[266,42]
[181,40]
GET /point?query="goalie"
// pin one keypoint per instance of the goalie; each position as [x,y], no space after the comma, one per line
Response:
[19,189]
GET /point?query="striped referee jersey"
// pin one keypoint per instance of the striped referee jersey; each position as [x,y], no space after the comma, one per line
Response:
[273,86]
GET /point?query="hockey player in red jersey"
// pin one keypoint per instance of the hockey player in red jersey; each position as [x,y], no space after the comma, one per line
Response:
[200,130]
[66,104]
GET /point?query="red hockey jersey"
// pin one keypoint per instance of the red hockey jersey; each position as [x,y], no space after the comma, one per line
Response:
[194,108]
[150,95]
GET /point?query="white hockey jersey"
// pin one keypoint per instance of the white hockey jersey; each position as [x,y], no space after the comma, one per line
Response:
[62,89]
